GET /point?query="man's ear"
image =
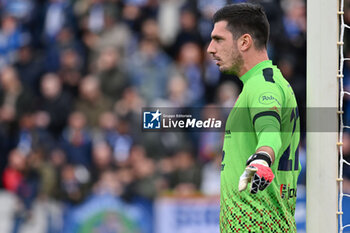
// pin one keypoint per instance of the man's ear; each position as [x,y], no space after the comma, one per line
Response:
[245,42]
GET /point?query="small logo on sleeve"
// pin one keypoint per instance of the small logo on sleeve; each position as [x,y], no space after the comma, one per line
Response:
[268,98]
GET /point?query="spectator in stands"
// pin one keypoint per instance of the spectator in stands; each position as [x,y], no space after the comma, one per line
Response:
[149,69]
[122,145]
[168,21]
[102,160]
[30,67]
[27,192]
[145,183]
[165,168]
[189,64]
[292,39]
[11,39]
[186,178]
[21,9]
[70,70]
[150,30]
[188,32]
[13,174]
[65,41]
[107,130]
[57,14]
[108,183]
[57,158]
[125,176]
[115,34]
[132,14]
[102,27]
[130,103]
[111,73]
[55,103]
[91,102]
[76,140]
[15,100]
[92,14]
[31,137]
[73,187]
[37,161]
[178,93]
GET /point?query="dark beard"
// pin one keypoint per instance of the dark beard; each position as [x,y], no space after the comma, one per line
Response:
[236,67]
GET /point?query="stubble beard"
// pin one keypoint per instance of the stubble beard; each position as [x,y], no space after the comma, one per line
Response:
[236,66]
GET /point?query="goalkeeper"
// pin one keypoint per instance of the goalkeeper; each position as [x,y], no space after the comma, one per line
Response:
[260,165]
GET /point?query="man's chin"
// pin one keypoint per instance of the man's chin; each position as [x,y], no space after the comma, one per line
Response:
[225,70]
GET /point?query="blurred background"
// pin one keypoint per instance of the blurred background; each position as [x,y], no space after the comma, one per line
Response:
[74,76]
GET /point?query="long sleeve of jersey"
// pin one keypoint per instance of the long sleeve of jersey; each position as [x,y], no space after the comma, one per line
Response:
[265,112]
[267,130]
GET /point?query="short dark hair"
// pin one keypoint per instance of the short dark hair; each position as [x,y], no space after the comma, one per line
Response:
[245,18]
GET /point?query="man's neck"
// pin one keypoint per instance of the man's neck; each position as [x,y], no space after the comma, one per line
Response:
[251,59]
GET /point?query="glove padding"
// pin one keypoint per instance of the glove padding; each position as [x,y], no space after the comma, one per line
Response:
[259,174]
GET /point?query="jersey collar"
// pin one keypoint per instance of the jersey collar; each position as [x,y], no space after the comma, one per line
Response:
[244,78]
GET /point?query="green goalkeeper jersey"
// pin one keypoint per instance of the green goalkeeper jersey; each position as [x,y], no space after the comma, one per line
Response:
[265,114]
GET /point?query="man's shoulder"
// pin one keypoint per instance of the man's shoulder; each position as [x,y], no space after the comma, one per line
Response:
[259,83]
[266,78]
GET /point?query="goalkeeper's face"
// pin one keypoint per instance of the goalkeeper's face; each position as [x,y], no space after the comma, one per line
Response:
[224,49]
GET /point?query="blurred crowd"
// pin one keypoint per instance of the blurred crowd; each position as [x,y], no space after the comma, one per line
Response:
[75,74]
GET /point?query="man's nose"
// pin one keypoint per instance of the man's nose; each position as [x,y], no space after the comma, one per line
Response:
[210,48]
